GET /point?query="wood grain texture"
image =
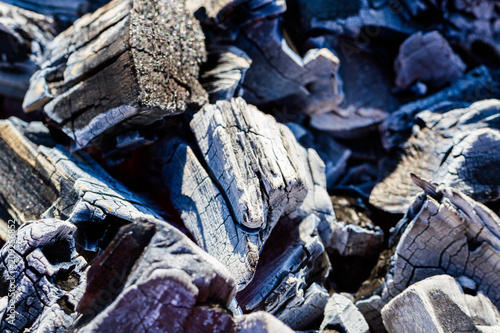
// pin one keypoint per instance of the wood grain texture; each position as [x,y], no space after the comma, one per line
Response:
[439,304]
[42,179]
[47,274]
[455,148]
[447,233]
[118,70]
[172,285]
[226,189]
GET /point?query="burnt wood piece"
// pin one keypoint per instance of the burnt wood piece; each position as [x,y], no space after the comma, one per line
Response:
[42,278]
[446,233]
[478,84]
[42,179]
[343,316]
[24,36]
[169,284]
[458,148]
[441,304]
[350,122]
[224,71]
[427,58]
[64,12]
[246,172]
[333,154]
[260,322]
[279,78]
[289,277]
[120,69]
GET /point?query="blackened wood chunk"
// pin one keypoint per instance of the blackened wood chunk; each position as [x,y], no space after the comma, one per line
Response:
[124,67]
[289,277]
[42,278]
[439,304]
[279,78]
[476,85]
[449,234]
[246,172]
[42,179]
[427,58]
[23,38]
[458,148]
[64,12]
[261,179]
[174,286]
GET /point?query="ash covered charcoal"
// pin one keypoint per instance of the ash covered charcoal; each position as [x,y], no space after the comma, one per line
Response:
[249,166]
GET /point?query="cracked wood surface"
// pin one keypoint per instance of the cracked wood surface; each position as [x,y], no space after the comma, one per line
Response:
[24,36]
[450,234]
[120,69]
[439,304]
[246,172]
[42,179]
[289,278]
[458,148]
[49,277]
[169,285]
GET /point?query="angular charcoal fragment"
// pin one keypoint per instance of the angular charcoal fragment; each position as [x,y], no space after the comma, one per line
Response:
[458,148]
[45,276]
[439,304]
[42,179]
[122,68]
[448,233]
[427,58]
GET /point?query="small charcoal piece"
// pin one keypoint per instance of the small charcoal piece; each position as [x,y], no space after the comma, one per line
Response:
[343,316]
[427,58]
[46,276]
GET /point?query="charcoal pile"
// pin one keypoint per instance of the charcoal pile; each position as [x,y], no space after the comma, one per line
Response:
[250,166]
